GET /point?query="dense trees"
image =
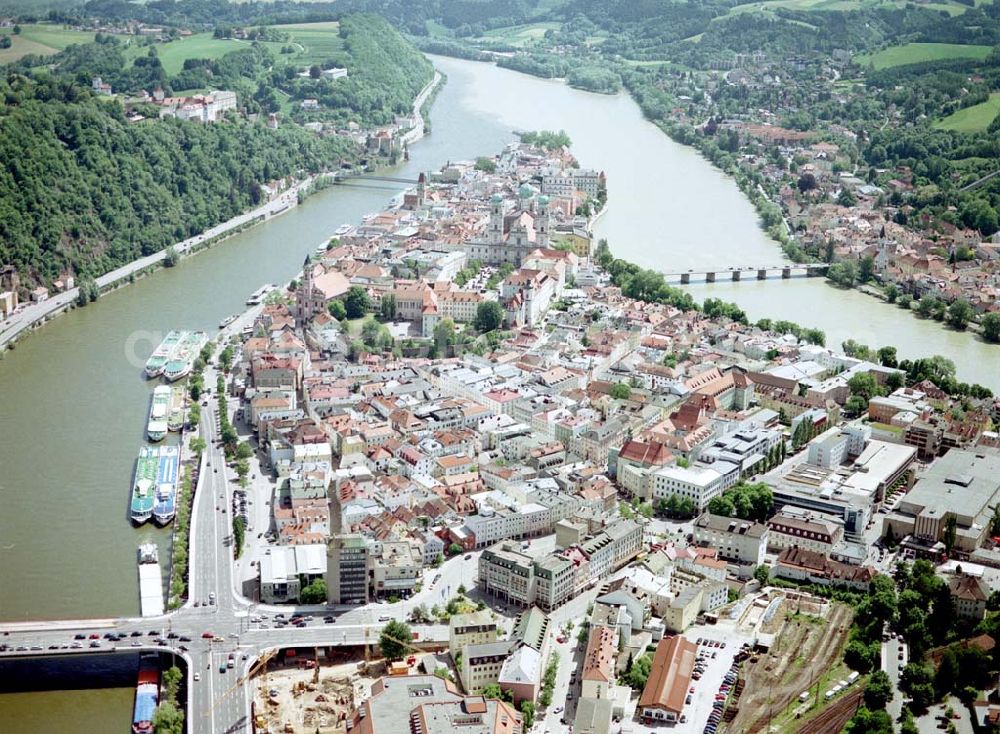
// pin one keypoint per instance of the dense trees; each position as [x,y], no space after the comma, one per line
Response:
[991,327]
[620,391]
[637,675]
[356,302]
[746,501]
[87,191]
[547,139]
[879,690]
[314,593]
[866,721]
[84,190]
[960,313]
[385,74]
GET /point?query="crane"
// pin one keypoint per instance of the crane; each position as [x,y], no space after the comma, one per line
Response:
[265,657]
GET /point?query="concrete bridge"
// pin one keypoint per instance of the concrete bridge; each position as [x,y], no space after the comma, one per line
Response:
[784,271]
[344,177]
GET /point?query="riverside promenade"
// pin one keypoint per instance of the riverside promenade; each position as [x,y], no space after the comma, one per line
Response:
[37,313]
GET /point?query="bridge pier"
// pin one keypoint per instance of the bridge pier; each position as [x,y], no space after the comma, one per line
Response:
[709,277]
[762,274]
[685,278]
[736,275]
[786,273]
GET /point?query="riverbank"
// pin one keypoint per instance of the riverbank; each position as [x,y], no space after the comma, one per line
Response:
[38,314]
[422,127]
[31,317]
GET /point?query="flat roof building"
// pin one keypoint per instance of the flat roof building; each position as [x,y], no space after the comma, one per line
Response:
[965,484]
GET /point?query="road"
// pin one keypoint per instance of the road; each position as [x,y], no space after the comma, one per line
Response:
[893,657]
[238,627]
[32,314]
[417,132]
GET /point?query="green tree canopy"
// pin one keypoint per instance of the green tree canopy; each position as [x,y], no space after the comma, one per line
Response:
[395,639]
[356,302]
[314,593]
[991,327]
[879,690]
[489,316]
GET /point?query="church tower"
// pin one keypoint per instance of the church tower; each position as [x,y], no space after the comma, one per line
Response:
[543,221]
[304,295]
[496,219]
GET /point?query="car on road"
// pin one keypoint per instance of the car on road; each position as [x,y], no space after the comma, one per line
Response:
[95,643]
[79,636]
[136,633]
[197,677]
[96,636]
[468,556]
[222,667]
[207,635]
[183,638]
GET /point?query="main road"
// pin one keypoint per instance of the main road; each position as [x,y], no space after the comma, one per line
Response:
[37,313]
[218,624]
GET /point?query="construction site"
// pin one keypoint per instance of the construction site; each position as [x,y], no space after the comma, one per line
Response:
[316,690]
[783,685]
[302,693]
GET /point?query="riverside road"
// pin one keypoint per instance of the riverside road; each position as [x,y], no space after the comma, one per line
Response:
[218,622]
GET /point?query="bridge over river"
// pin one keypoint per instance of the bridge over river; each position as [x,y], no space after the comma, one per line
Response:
[736,274]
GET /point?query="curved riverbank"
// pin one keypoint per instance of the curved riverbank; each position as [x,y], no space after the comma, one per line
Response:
[31,317]
[38,314]
[673,211]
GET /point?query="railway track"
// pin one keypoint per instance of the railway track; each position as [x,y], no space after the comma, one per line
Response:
[832,719]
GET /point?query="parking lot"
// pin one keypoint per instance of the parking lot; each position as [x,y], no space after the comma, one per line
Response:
[724,645]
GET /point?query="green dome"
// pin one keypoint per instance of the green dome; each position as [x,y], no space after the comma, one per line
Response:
[526,191]
[543,200]
[496,199]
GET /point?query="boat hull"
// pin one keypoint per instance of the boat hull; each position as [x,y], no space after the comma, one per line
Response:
[162,520]
[175,376]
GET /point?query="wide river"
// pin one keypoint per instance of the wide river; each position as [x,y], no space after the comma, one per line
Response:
[73,402]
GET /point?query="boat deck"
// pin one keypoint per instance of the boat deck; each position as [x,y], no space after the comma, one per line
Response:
[150,589]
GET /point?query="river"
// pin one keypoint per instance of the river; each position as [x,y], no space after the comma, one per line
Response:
[74,403]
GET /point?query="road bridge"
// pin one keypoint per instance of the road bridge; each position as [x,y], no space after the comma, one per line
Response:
[784,271]
[347,177]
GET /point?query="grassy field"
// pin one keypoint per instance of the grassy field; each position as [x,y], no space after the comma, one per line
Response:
[41,39]
[972,119]
[330,25]
[950,6]
[914,53]
[314,43]
[199,46]
[519,35]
